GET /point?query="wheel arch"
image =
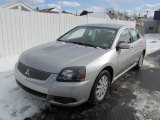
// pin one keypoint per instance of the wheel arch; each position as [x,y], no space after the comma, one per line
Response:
[110,70]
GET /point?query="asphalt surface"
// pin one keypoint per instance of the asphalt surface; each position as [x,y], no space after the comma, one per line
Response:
[119,104]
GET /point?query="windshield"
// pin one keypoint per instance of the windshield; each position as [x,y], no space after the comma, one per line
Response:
[91,36]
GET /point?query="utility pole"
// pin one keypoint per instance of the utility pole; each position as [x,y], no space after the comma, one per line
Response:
[147,13]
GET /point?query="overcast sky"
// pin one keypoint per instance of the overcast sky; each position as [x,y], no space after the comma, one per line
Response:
[97,5]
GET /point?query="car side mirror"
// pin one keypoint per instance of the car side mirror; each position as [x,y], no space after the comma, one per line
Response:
[123,46]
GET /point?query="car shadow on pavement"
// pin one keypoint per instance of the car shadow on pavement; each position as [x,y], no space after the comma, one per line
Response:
[149,77]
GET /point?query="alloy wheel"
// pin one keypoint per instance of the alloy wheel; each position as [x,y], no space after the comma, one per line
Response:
[102,87]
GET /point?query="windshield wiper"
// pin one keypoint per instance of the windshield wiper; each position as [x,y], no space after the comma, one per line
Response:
[83,44]
[62,40]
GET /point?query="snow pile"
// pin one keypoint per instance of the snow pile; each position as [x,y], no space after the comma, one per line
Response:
[15,104]
[8,63]
[152,42]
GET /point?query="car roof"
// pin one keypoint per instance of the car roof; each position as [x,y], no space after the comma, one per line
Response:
[117,26]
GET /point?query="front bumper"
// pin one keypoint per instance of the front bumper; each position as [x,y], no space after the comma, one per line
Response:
[59,93]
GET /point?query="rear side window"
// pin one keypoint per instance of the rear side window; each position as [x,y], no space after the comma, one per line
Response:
[125,36]
[134,35]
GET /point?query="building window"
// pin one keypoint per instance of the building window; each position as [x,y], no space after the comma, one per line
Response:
[151,28]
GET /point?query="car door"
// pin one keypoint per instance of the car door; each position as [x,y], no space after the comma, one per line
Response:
[124,56]
[136,44]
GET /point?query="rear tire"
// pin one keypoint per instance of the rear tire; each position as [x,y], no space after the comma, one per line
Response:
[100,88]
[140,62]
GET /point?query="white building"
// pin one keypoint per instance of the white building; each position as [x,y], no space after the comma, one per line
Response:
[16,6]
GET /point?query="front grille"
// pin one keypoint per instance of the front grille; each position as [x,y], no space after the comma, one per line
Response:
[32,72]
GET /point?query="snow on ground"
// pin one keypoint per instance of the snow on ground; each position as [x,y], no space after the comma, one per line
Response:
[153,42]
[146,104]
[153,45]
[8,63]
[151,63]
[16,104]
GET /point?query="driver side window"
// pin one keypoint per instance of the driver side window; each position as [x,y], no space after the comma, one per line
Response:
[135,35]
[125,36]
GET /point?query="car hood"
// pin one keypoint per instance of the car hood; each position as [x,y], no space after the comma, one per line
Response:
[54,56]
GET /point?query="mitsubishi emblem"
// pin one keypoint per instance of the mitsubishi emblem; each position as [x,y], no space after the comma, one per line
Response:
[27,72]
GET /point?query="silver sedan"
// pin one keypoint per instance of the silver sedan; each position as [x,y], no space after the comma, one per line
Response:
[81,65]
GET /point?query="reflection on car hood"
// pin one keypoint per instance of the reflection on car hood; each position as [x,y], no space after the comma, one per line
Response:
[54,56]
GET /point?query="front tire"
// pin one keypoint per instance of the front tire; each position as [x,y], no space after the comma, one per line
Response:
[100,88]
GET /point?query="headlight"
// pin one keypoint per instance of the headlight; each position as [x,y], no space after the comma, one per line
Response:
[72,74]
